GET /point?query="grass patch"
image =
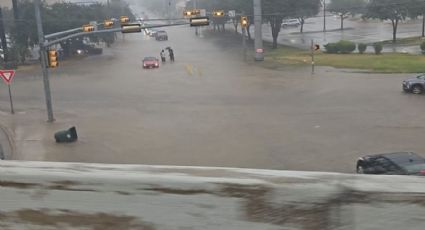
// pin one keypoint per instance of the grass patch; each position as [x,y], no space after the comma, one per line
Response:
[405,41]
[386,63]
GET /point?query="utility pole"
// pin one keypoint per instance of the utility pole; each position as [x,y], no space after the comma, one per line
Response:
[244,42]
[15,10]
[195,5]
[324,15]
[259,52]
[3,39]
[43,58]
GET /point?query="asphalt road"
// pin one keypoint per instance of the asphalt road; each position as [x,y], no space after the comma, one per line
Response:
[209,108]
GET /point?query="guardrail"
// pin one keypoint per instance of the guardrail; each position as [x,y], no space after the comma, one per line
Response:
[47,195]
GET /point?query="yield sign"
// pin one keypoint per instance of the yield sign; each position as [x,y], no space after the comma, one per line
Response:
[7,75]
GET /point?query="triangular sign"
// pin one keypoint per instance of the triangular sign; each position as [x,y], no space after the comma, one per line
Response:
[7,75]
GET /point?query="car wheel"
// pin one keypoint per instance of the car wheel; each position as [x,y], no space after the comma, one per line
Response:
[417,89]
[360,170]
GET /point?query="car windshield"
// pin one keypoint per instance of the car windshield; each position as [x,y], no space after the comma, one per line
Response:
[150,59]
[422,77]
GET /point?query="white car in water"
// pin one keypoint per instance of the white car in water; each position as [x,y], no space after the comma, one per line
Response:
[290,23]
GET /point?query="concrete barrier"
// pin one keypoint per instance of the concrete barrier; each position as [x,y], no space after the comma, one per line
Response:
[43,195]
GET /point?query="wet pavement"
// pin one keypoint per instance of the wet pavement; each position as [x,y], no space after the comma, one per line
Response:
[355,29]
[210,108]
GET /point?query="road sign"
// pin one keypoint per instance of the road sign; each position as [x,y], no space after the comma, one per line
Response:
[199,21]
[131,28]
[7,75]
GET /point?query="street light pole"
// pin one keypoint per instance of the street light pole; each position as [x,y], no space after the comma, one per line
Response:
[43,60]
[324,15]
[195,5]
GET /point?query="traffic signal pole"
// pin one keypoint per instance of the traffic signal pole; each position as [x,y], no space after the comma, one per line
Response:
[259,55]
[43,58]
[244,42]
[312,56]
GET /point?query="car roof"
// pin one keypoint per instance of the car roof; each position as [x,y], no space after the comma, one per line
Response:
[402,158]
[147,58]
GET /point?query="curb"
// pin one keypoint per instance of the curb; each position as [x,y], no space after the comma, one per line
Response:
[6,155]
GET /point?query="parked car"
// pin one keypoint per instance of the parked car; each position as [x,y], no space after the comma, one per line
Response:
[399,163]
[161,36]
[150,62]
[290,23]
[414,85]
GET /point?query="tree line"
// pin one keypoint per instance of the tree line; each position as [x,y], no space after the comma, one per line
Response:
[57,17]
[275,11]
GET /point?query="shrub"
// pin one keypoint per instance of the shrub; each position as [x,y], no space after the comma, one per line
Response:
[423,47]
[378,48]
[332,48]
[361,47]
[346,47]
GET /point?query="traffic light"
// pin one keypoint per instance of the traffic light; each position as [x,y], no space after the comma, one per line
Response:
[190,13]
[199,21]
[52,58]
[196,12]
[88,28]
[108,23]
[316,47]
[218,13]
[131,28]
[124,19]
[187,13]
[244,21]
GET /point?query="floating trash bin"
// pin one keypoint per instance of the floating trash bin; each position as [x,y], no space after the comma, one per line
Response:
[66,136]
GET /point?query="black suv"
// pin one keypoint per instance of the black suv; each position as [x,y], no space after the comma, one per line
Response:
[401,163]
[161,36]
[414,85]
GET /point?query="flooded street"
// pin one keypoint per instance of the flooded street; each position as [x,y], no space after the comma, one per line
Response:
[210,108]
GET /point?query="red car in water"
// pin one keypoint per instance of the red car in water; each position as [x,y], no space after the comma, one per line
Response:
[150,62]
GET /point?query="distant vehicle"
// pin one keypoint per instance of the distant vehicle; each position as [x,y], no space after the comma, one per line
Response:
[290,23]
[150,32]
[153,33]
[161,36]
[150,62]
[414,85]
[85,49]
[400,163]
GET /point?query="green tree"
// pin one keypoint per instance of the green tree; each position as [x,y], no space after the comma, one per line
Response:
[345,7]
[242,7]
[393,10]
[23,33]
[59,17]
[274,11]
[303,9]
